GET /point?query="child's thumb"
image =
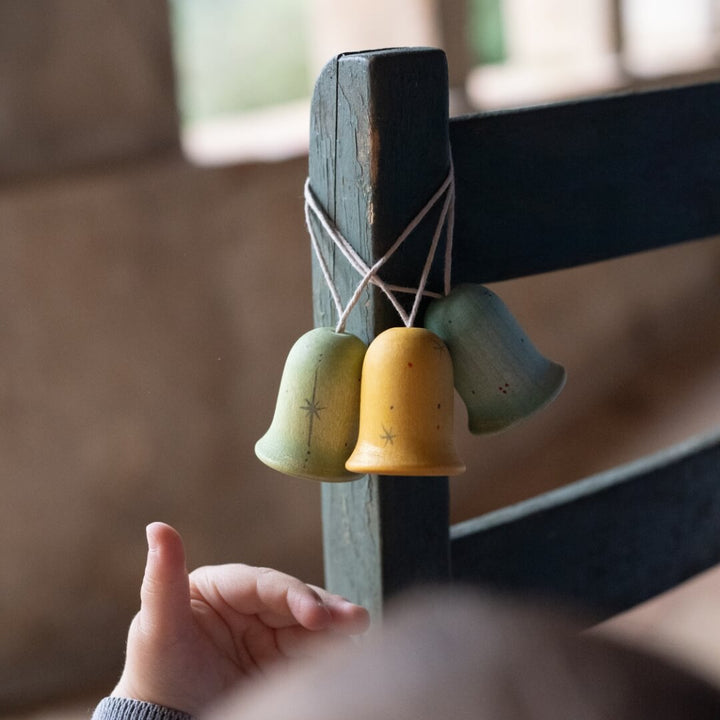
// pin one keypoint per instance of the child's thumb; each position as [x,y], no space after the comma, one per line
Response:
[165,592]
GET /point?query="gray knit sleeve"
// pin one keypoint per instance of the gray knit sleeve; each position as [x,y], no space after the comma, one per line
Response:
[117,708]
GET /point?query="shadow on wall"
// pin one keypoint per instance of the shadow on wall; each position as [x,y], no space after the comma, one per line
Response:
[146,309]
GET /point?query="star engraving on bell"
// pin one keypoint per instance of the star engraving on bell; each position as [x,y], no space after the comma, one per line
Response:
[312,407]
[388,436]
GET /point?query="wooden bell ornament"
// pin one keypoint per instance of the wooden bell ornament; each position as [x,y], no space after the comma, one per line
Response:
[499,374]
[406,407]
[315,424]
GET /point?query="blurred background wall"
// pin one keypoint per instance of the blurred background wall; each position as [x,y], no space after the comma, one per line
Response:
[154,271]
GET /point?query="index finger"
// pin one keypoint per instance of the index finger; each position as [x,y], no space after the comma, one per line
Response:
[347,617]
[278,599]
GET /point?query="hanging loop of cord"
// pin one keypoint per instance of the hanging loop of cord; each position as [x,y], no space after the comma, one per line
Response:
[369,274]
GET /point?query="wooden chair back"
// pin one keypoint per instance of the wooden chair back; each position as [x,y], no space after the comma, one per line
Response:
[537,190]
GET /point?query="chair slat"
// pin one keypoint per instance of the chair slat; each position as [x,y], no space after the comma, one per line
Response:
[608,542]
[552,187]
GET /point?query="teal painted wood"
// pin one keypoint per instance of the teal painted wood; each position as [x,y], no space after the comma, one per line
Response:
[552,187]
[538,190]
[378,151]
[608,542]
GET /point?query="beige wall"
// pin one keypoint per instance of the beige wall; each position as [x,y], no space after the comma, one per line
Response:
[145,310]
[146,307]
[144,320]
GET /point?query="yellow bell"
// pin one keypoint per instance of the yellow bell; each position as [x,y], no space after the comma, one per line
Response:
[315,424]
[406,407]
[499,374]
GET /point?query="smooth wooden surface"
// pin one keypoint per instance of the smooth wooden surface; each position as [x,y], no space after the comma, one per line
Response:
[379,150]
[608,542]
[545,188]
[406,407]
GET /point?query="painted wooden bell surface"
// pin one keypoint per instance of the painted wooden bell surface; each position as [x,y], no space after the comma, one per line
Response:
[315,424]
[499,374]
[406,407]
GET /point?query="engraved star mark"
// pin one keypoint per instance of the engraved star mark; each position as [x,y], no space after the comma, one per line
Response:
[312,408]
[388,436]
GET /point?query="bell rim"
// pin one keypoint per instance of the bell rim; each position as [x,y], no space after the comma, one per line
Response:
[293,470]
[509,421]
[449,470]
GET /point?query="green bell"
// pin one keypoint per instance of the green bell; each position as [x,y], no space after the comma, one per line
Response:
[315,424]
[498,373]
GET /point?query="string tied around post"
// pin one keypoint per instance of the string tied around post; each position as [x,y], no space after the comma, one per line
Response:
[369,274]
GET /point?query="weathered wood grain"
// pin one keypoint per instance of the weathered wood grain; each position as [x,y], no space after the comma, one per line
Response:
[379,150]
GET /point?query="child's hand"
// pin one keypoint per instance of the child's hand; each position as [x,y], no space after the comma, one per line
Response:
[198,635]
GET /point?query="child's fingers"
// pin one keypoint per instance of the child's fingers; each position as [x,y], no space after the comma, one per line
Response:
[347,617]
[279,600]
[165,596]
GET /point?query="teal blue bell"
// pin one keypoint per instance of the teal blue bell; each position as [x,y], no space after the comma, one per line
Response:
[499,374]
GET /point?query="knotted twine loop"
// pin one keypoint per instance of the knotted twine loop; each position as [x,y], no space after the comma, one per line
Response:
[369,275]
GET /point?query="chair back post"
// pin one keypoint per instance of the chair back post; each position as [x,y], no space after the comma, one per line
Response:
[379,149]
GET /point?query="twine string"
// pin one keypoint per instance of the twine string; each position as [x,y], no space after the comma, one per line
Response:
[429,259]
[369,274]
[321,260]
[450,234]
[353,258]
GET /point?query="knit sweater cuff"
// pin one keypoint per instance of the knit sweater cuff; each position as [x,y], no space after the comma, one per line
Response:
[118,708]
